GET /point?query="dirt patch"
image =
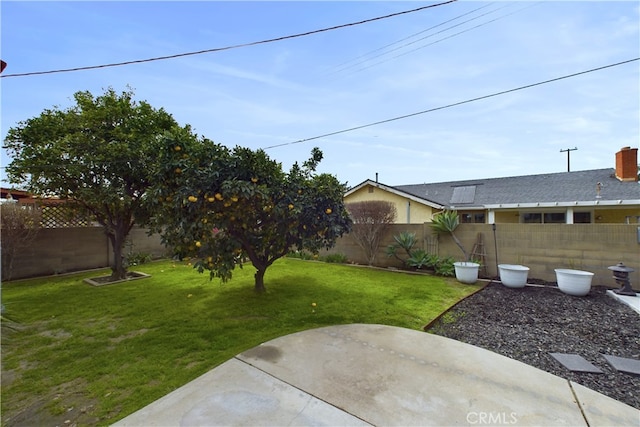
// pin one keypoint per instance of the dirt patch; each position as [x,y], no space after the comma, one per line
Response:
[67,405]
[57,334]
[527,324]
[106,280]
[131,334]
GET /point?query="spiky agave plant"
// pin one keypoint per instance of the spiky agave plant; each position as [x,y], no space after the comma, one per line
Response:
[446,222]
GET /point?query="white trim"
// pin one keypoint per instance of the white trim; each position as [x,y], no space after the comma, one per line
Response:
[393,191]
[564,204]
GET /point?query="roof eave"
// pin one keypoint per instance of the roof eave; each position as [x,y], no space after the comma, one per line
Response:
[581,203]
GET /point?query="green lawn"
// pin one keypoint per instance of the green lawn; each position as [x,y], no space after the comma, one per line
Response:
[122,346]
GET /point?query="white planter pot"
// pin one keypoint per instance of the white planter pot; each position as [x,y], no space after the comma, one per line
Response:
[513,276]
[466,272]
[574,282]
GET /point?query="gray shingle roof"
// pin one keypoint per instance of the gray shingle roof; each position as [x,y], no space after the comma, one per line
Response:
[563,187]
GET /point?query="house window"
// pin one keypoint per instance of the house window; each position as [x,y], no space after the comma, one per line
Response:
[544,218]
[582,217]
[472,217]
[555,218]
[532,218]
[370,189]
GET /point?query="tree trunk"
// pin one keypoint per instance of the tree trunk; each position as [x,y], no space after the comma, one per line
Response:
[459,244]
[259,276]
[117,238]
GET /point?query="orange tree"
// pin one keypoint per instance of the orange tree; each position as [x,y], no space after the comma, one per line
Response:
[221,206]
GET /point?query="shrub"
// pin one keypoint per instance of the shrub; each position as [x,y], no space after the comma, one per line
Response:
[371,220]
[418,259]
[300,255]
[336,258]
[444,267]
[20,226]
[137,258]
[405,241]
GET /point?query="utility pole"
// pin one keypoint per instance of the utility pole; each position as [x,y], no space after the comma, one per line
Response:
[568,151]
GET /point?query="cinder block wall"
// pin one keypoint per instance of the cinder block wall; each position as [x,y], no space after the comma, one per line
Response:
[348,246]
[62,250]
[541,247]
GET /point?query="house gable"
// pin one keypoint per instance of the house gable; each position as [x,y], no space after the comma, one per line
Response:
[409,208]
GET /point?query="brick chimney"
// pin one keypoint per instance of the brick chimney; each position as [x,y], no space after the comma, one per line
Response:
[627,164]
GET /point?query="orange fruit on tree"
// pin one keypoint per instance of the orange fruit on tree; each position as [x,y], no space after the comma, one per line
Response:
[192,199]
[328,211]
[218,196]
[177,148]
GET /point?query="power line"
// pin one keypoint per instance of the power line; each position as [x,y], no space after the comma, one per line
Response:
[453,105]
[364,59]
[218,49]
[440,40]
[444,106]
[340,65]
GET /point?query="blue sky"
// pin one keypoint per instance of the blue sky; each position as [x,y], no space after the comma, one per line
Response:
[282,92]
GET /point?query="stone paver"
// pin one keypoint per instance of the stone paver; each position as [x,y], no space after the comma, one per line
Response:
[623,364]
[575,363]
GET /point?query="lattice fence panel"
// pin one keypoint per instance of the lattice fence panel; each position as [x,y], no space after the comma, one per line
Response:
[57,216]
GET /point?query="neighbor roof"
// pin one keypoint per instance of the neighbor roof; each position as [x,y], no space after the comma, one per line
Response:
[577,188]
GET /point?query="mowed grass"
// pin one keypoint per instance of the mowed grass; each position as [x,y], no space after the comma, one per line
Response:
[123,346]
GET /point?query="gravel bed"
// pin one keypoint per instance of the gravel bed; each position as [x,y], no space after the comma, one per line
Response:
[529,323]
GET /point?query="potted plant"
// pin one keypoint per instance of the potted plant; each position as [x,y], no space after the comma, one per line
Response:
[446,222]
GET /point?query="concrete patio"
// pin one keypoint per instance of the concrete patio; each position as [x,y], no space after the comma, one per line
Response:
[379,375]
